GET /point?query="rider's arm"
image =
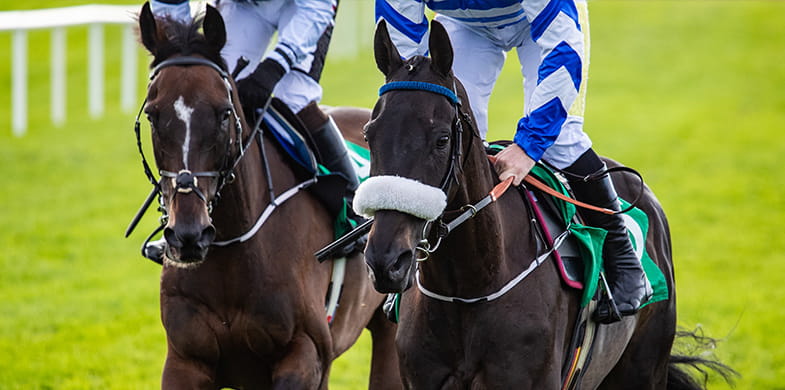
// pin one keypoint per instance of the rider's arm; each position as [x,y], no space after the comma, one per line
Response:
[406,24]
[556,31]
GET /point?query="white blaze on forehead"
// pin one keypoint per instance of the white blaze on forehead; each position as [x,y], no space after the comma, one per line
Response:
[184,114]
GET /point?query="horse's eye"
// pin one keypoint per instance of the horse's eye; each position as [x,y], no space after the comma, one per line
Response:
[152,118]
[443,141]
[225,117]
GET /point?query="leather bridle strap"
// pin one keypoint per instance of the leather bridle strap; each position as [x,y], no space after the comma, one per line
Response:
[457,130]
[188,61]
[469,211]
[185,181]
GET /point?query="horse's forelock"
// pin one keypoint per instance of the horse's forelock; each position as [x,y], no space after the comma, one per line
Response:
[175,37]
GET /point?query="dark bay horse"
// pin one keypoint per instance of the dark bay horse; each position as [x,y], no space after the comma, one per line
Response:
[246,313]
[425,150]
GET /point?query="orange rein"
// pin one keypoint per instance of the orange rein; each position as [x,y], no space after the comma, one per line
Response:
[550,191]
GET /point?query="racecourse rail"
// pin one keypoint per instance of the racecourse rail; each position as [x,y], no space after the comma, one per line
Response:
[353,31]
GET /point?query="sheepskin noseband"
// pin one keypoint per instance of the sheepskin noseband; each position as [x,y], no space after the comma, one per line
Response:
[401,194]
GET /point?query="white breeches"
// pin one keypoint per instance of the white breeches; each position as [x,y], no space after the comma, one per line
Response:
[250,28]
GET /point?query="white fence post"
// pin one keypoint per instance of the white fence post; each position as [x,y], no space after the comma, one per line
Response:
[129,74]
[19,82]
[95,16]
[354,31]
[58,53]
[95,66]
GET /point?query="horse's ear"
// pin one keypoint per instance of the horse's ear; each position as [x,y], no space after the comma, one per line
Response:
[440,48]
[147,28]
[214,28]
[387,56]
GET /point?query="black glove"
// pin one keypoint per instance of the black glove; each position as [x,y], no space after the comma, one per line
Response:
[255,90]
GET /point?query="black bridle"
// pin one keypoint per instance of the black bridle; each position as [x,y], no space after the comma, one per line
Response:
[185,181]
[456,156]
[456,153]
[450,176]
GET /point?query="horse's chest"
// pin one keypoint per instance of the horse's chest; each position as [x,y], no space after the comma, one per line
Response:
[198,330]
[477,349]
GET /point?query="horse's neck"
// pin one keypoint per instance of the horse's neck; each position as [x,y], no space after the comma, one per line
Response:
[473,258]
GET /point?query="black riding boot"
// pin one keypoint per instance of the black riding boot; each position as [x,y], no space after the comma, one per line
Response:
[330,145]
[154,250]
[628,283]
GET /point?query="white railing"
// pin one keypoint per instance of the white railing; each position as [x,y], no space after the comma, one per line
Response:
[353,33]
[57,19]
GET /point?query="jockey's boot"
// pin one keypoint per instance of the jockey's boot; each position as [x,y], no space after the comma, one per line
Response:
[628,283]
[154,250]
[330,145]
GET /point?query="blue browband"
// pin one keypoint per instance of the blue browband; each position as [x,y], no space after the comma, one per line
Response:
[420,86]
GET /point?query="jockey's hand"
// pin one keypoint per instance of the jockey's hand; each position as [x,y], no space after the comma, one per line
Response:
[257,88]
[513,161]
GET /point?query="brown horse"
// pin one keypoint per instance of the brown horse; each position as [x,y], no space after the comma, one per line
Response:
[425,151]
[245,313]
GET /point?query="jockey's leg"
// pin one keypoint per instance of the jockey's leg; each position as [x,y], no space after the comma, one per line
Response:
[330,145]
[300,90]
[628,283]
[179,10]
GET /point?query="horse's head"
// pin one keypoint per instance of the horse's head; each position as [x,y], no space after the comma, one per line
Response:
[196,126]
[415,141]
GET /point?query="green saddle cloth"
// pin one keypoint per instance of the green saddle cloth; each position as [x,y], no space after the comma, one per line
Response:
[361,159]
[590,241]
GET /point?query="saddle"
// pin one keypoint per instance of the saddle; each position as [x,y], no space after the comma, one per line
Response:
[578,258]
[290,135]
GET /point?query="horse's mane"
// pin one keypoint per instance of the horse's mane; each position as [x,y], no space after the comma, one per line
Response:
[184,38]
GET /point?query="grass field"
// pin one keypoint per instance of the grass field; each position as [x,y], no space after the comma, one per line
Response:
[687,92]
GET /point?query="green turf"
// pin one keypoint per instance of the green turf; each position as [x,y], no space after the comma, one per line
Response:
[687,92]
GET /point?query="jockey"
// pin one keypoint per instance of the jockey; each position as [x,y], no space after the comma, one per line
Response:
[290,71]
[551,38]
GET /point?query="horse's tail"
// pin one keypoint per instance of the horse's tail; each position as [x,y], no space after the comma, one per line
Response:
[691,371]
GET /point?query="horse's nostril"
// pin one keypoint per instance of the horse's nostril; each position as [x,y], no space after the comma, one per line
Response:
[189,237]
[403,262]
[208,235]
[171,238]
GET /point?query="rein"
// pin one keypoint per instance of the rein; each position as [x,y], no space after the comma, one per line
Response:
[556,194]
[469,211]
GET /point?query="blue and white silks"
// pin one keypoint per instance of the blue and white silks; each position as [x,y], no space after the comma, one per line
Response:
[552,47]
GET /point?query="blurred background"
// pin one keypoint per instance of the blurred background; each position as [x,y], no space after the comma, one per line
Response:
[689,92]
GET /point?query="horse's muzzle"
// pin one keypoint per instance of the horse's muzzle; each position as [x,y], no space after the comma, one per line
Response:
[189,245]
[390,253]
[393,274]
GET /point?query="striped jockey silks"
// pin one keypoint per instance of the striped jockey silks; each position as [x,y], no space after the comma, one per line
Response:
[554,26]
